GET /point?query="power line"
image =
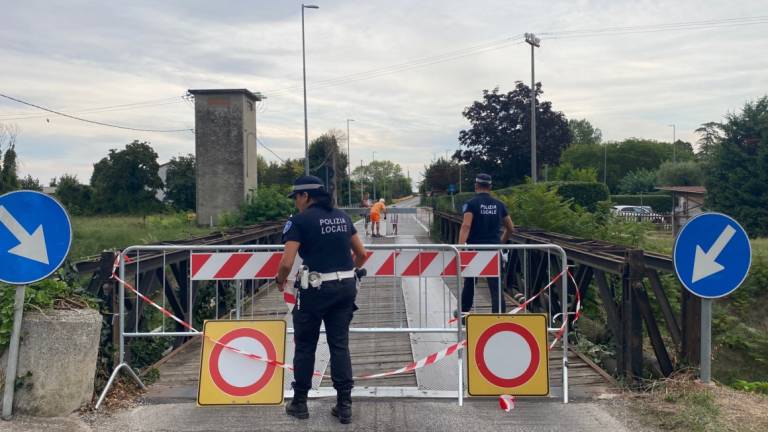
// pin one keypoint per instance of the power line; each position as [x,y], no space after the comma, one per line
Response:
[652,28]
[270,150]
[134,105]
[411,64]
[93,121]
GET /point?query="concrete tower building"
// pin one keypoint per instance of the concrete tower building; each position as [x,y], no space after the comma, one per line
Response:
[225,150]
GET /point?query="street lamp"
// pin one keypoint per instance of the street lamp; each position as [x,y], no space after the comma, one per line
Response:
[674,143]
[304,73]
[349,165]
[534,42]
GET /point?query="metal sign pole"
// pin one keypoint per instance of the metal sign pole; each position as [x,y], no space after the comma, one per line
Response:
[706,340]
[13,353]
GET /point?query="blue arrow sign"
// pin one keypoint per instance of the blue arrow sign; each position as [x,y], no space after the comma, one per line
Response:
[712,255]
[451,188]
[35,235]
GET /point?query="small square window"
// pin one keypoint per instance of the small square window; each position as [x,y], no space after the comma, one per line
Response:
[250,106]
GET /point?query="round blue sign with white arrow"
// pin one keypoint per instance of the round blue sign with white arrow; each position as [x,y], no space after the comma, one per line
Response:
[35,235]
[712,255]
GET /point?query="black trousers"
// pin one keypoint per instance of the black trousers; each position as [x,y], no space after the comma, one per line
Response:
[468,295]
[333,304]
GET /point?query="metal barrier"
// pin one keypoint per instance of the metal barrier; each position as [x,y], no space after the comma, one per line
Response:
[249,274]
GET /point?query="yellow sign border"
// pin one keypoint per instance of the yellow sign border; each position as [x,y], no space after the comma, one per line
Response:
[490,389]
[207,345]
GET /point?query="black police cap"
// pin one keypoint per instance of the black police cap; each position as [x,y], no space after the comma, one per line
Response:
[306,183]
[483,179]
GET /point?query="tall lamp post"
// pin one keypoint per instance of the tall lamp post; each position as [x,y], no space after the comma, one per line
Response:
[534,42]
[349,165]
[304,74]
[674,143]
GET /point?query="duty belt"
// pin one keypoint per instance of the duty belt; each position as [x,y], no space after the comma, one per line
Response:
[315,279]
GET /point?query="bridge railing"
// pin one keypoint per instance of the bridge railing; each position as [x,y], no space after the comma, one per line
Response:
[630,285]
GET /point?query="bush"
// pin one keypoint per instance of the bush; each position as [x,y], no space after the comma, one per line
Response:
[638,181]
[271,203]
[680,174]
[585,194]
[45,294]
[566,172]
[661,203]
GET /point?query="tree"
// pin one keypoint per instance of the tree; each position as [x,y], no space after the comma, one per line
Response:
[388,179]
[9,179]
[328,163]
[281,174]
[680,174]
[711,135]
[439,174]
[180,182]
[566,172]
[499,139]
[638,181]
[74,196]
[126,181]
[737,180]
[624,157]
[584,133]
[30,183]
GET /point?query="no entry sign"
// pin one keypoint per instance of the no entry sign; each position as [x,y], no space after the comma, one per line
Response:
[229,375]
[507,354]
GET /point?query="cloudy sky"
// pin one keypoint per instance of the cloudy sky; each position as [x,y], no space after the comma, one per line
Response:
[404,70]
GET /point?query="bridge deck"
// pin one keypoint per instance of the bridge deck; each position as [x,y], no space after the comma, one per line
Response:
[382,303]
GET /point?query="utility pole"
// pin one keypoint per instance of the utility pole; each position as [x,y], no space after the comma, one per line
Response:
[349,165]
[304,75]
[335,151]
[534,42]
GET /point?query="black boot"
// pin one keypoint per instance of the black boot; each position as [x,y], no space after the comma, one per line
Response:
[343,408]
[298,405]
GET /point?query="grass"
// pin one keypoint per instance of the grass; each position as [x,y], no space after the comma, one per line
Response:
[93,234]
[681,404]
[662,242]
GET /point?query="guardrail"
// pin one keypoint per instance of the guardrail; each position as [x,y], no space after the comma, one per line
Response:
[626,280]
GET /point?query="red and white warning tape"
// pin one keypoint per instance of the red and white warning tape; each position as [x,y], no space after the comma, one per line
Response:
[426,361]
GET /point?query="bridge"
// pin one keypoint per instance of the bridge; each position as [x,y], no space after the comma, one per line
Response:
[421,398]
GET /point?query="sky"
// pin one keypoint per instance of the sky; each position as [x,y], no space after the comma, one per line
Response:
[403,70]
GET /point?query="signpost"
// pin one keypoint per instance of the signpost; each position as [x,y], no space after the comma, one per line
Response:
[35,236]
[507,354]
[452,192]
[712,256]
[230,377]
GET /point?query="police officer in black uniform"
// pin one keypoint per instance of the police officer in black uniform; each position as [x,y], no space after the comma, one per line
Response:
[323,237]
[483,218]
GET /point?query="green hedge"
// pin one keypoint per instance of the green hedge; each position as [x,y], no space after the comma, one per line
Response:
[585,194]
[661,203]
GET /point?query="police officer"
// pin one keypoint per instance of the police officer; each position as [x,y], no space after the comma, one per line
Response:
[323,237]
[483,218]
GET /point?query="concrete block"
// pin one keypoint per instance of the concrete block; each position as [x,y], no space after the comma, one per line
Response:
[57,361]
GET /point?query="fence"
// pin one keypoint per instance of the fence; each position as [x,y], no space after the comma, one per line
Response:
[407,295]
[660,221]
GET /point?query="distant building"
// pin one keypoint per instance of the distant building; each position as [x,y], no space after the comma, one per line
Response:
[687,201]
[225,150]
